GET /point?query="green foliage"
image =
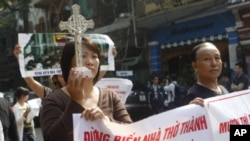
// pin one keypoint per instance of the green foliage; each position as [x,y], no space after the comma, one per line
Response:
[8,9]
[8,20]
[7,5]
[14,5]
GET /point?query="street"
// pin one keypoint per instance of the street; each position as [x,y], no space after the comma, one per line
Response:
[39,136]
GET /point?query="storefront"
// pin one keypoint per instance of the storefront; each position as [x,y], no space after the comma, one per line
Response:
[174,43]
[243,50]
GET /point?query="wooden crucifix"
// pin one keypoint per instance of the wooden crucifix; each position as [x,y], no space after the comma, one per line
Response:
[77,25]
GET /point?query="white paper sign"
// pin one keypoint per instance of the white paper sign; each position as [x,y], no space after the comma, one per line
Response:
[41,52]
[34,105]
[121,86]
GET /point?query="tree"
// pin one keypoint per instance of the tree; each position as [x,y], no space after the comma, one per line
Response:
[8,8]
[8,65]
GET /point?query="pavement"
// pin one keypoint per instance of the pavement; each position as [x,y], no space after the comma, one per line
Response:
[39,136]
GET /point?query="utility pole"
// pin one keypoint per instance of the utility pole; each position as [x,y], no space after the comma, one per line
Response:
[26,15]
[134,24]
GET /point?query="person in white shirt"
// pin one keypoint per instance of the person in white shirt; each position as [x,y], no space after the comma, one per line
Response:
[165,84]
[21,109]
[171,86]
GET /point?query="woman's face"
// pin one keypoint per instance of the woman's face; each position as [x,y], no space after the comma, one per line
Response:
[24,97]
[89,59]
[208,64]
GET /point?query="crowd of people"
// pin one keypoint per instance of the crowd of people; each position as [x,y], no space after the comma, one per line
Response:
[207,66]
[76,93]
[44,61]
[166,95]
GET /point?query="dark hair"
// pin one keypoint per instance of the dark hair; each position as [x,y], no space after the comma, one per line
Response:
[196,48]
[21,91]
[69,52]
[55,81]
[173,77]
[240,64]
[154,76]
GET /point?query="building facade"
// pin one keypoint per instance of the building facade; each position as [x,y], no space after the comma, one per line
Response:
[241,11]
[174,43]
[155,35]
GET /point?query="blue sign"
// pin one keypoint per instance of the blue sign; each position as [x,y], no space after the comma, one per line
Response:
[203,27]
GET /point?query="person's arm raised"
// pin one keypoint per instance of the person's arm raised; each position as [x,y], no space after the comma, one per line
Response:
[34,85]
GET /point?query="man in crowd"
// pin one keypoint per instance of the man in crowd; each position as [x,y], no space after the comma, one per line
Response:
[240,82]
[156,95]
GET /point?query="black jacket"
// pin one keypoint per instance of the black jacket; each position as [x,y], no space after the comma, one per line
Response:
[8,121]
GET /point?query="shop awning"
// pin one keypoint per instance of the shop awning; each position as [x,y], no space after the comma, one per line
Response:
[194,41]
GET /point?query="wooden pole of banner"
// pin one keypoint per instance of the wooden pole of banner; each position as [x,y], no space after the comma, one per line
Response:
[77,25]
